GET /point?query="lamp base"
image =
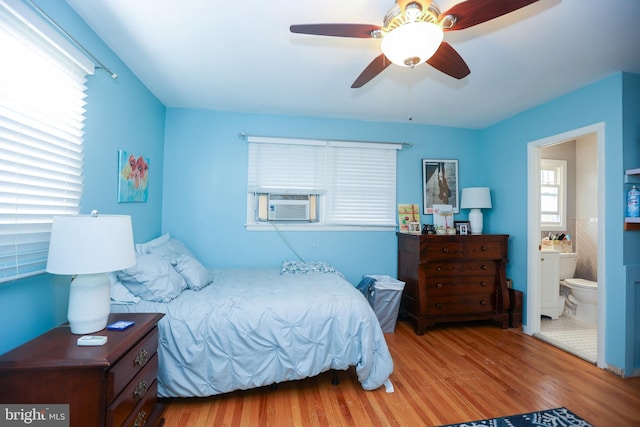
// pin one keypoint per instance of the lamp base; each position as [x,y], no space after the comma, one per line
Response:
[89,299]
[475,218]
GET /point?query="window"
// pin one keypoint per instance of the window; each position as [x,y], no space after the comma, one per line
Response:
[354,182]
[553,195]
[41,120]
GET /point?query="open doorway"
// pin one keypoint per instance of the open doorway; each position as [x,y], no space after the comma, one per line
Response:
[582,138]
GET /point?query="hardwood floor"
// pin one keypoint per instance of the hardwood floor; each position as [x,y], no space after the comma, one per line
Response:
[452,373]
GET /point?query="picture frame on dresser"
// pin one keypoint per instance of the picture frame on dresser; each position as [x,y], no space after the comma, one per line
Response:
[439,184]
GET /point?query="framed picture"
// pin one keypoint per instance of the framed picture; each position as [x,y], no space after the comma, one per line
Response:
[133,177]
[463,227]
[439,184]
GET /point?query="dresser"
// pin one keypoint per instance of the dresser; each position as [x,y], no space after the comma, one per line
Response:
[453,278]
[110,385]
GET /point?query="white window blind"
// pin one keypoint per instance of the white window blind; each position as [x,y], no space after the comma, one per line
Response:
[41,119]
[356,181]
[553,178]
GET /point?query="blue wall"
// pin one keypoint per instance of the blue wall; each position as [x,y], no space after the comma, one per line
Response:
[205,186]
[121,114]
[198,185]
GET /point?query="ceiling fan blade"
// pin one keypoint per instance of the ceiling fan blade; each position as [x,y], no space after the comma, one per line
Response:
[474,12]
[337,30]
[447,60]
[373,69]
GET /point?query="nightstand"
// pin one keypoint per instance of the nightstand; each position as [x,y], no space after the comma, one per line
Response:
[110,385]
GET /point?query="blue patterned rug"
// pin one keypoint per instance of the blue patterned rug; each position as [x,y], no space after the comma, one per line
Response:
[558,417]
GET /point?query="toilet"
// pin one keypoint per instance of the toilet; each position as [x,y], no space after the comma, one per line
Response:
[583,293]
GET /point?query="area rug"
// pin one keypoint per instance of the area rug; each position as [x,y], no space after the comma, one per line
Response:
[558,417]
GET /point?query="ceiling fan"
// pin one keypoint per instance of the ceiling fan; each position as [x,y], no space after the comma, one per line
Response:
[413,33]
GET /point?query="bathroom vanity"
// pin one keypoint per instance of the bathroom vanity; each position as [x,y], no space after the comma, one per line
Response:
[453,278]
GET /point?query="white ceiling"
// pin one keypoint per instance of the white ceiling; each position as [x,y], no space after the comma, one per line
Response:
[240,56]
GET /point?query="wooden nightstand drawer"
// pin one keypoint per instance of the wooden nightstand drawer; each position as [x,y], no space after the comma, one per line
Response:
[133,394]
[132,362]
[145,411]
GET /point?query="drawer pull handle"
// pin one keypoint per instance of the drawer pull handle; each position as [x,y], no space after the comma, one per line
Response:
[484,266]
[140,390]
[483,283]
[439,285]
[142,357]
[140,419]
[445,250]
[483,302]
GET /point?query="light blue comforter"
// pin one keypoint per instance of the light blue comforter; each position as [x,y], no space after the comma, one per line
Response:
[256,327]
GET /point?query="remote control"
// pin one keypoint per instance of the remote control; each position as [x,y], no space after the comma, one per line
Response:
[92,340]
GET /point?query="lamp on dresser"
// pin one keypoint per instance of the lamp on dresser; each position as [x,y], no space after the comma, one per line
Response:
[87,247]
[476,198]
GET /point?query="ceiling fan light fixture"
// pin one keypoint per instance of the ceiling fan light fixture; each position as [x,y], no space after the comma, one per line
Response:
[412,43]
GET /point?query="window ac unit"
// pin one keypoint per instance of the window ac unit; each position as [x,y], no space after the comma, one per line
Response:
[289,207]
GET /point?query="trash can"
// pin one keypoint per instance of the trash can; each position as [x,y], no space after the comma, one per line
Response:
[384,297]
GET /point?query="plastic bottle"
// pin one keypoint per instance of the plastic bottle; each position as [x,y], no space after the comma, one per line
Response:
[633,202]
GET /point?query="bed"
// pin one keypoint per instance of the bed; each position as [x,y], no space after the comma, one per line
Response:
[236,329]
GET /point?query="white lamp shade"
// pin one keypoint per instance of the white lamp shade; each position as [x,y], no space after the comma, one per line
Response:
[475,198]
[87,244]
[412,43]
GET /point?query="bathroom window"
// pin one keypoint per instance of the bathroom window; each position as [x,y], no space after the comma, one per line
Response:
[553,195]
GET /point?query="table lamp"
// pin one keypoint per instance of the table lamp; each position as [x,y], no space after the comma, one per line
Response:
[87,247]
[476,198]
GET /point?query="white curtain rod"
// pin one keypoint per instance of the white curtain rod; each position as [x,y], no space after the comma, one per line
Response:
[99,64]
[243,135]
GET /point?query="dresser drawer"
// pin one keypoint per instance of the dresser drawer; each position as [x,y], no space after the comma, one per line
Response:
[133,361]
[449,269]
[444,286]
[442,250]
[484,250]
[457,304]
[141,414]
[135,392]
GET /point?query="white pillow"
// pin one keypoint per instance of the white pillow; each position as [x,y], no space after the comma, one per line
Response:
[170,249]
[153,278]
[119,292]
[194,273]
[144,248]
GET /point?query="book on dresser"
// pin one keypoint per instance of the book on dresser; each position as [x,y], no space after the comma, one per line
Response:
[452,278]
[114,384]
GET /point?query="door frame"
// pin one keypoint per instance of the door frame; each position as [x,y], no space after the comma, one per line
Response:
[533,226]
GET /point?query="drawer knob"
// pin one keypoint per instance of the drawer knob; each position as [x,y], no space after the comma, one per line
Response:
[439,268]
[140,419]
[483,283]
[483,302]
[483,248]
[439,285]
[142,357]
[445,250]
[439,305]
[140,390]
[484,266]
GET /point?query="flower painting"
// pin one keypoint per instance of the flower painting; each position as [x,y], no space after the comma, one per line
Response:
[133,177]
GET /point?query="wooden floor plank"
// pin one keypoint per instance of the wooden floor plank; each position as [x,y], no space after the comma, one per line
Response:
[452,373]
